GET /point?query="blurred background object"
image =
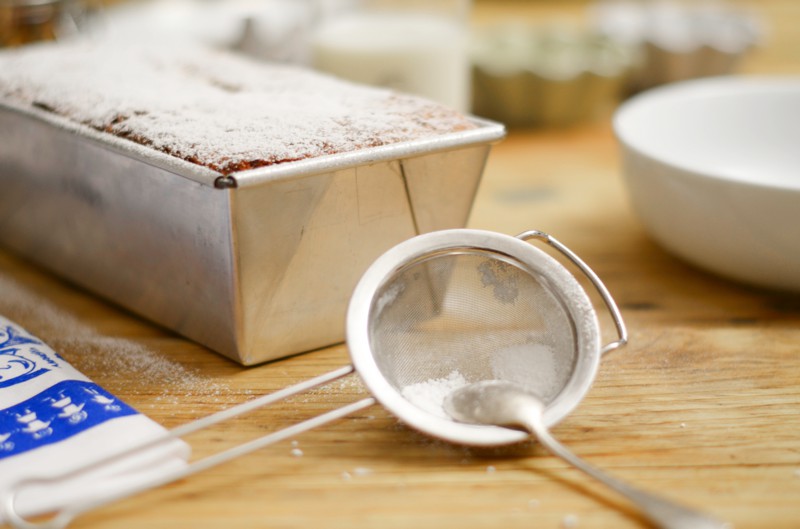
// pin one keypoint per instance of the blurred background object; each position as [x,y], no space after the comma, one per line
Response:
[414,46]
[275,30]
[551,75]
[678,40]
[25,21]
[572,62]
[28,21]
[711,169]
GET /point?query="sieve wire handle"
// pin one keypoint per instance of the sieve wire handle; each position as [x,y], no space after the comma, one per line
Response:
[60,518]
[616,316]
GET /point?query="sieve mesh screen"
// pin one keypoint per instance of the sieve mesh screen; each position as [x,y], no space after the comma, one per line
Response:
[477,312]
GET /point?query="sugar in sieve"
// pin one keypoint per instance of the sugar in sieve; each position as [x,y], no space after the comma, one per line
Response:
[482,304]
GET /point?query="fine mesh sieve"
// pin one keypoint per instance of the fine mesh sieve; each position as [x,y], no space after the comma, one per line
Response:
[485,306]
[480,304]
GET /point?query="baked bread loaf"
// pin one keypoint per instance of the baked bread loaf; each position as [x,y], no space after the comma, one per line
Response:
[214,108]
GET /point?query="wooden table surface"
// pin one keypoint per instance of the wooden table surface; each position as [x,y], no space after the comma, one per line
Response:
[703,405]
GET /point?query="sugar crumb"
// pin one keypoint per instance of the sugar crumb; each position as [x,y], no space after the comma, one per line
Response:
[570,521]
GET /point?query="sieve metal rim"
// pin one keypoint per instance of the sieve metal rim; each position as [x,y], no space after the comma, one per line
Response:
[576,302]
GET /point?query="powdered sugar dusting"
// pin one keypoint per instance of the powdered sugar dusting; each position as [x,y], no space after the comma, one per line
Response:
[429,395]
[211,107]
[92,352]
[536,366]
[38,315]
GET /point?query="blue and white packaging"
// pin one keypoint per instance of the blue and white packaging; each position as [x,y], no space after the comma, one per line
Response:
[54,420]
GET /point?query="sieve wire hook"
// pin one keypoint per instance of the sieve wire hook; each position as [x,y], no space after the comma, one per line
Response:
[616,316]
[61,517]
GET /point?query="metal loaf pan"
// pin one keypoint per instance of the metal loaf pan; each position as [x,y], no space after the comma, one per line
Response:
[255,265]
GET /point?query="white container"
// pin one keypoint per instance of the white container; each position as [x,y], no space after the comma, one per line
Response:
[713,170]
[415,47]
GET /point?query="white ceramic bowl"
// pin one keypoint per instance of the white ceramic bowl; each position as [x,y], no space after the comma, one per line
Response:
[713,170]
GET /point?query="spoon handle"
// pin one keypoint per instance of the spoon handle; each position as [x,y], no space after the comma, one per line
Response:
[661,512]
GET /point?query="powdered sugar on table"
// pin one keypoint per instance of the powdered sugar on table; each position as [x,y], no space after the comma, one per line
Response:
[214,108]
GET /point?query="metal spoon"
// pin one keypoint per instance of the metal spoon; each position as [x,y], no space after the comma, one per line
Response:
[502,403]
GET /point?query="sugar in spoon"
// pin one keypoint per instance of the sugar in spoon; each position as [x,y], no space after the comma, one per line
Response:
[502,403]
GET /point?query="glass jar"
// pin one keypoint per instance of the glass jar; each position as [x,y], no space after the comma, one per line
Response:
[26,21]
[413,46]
